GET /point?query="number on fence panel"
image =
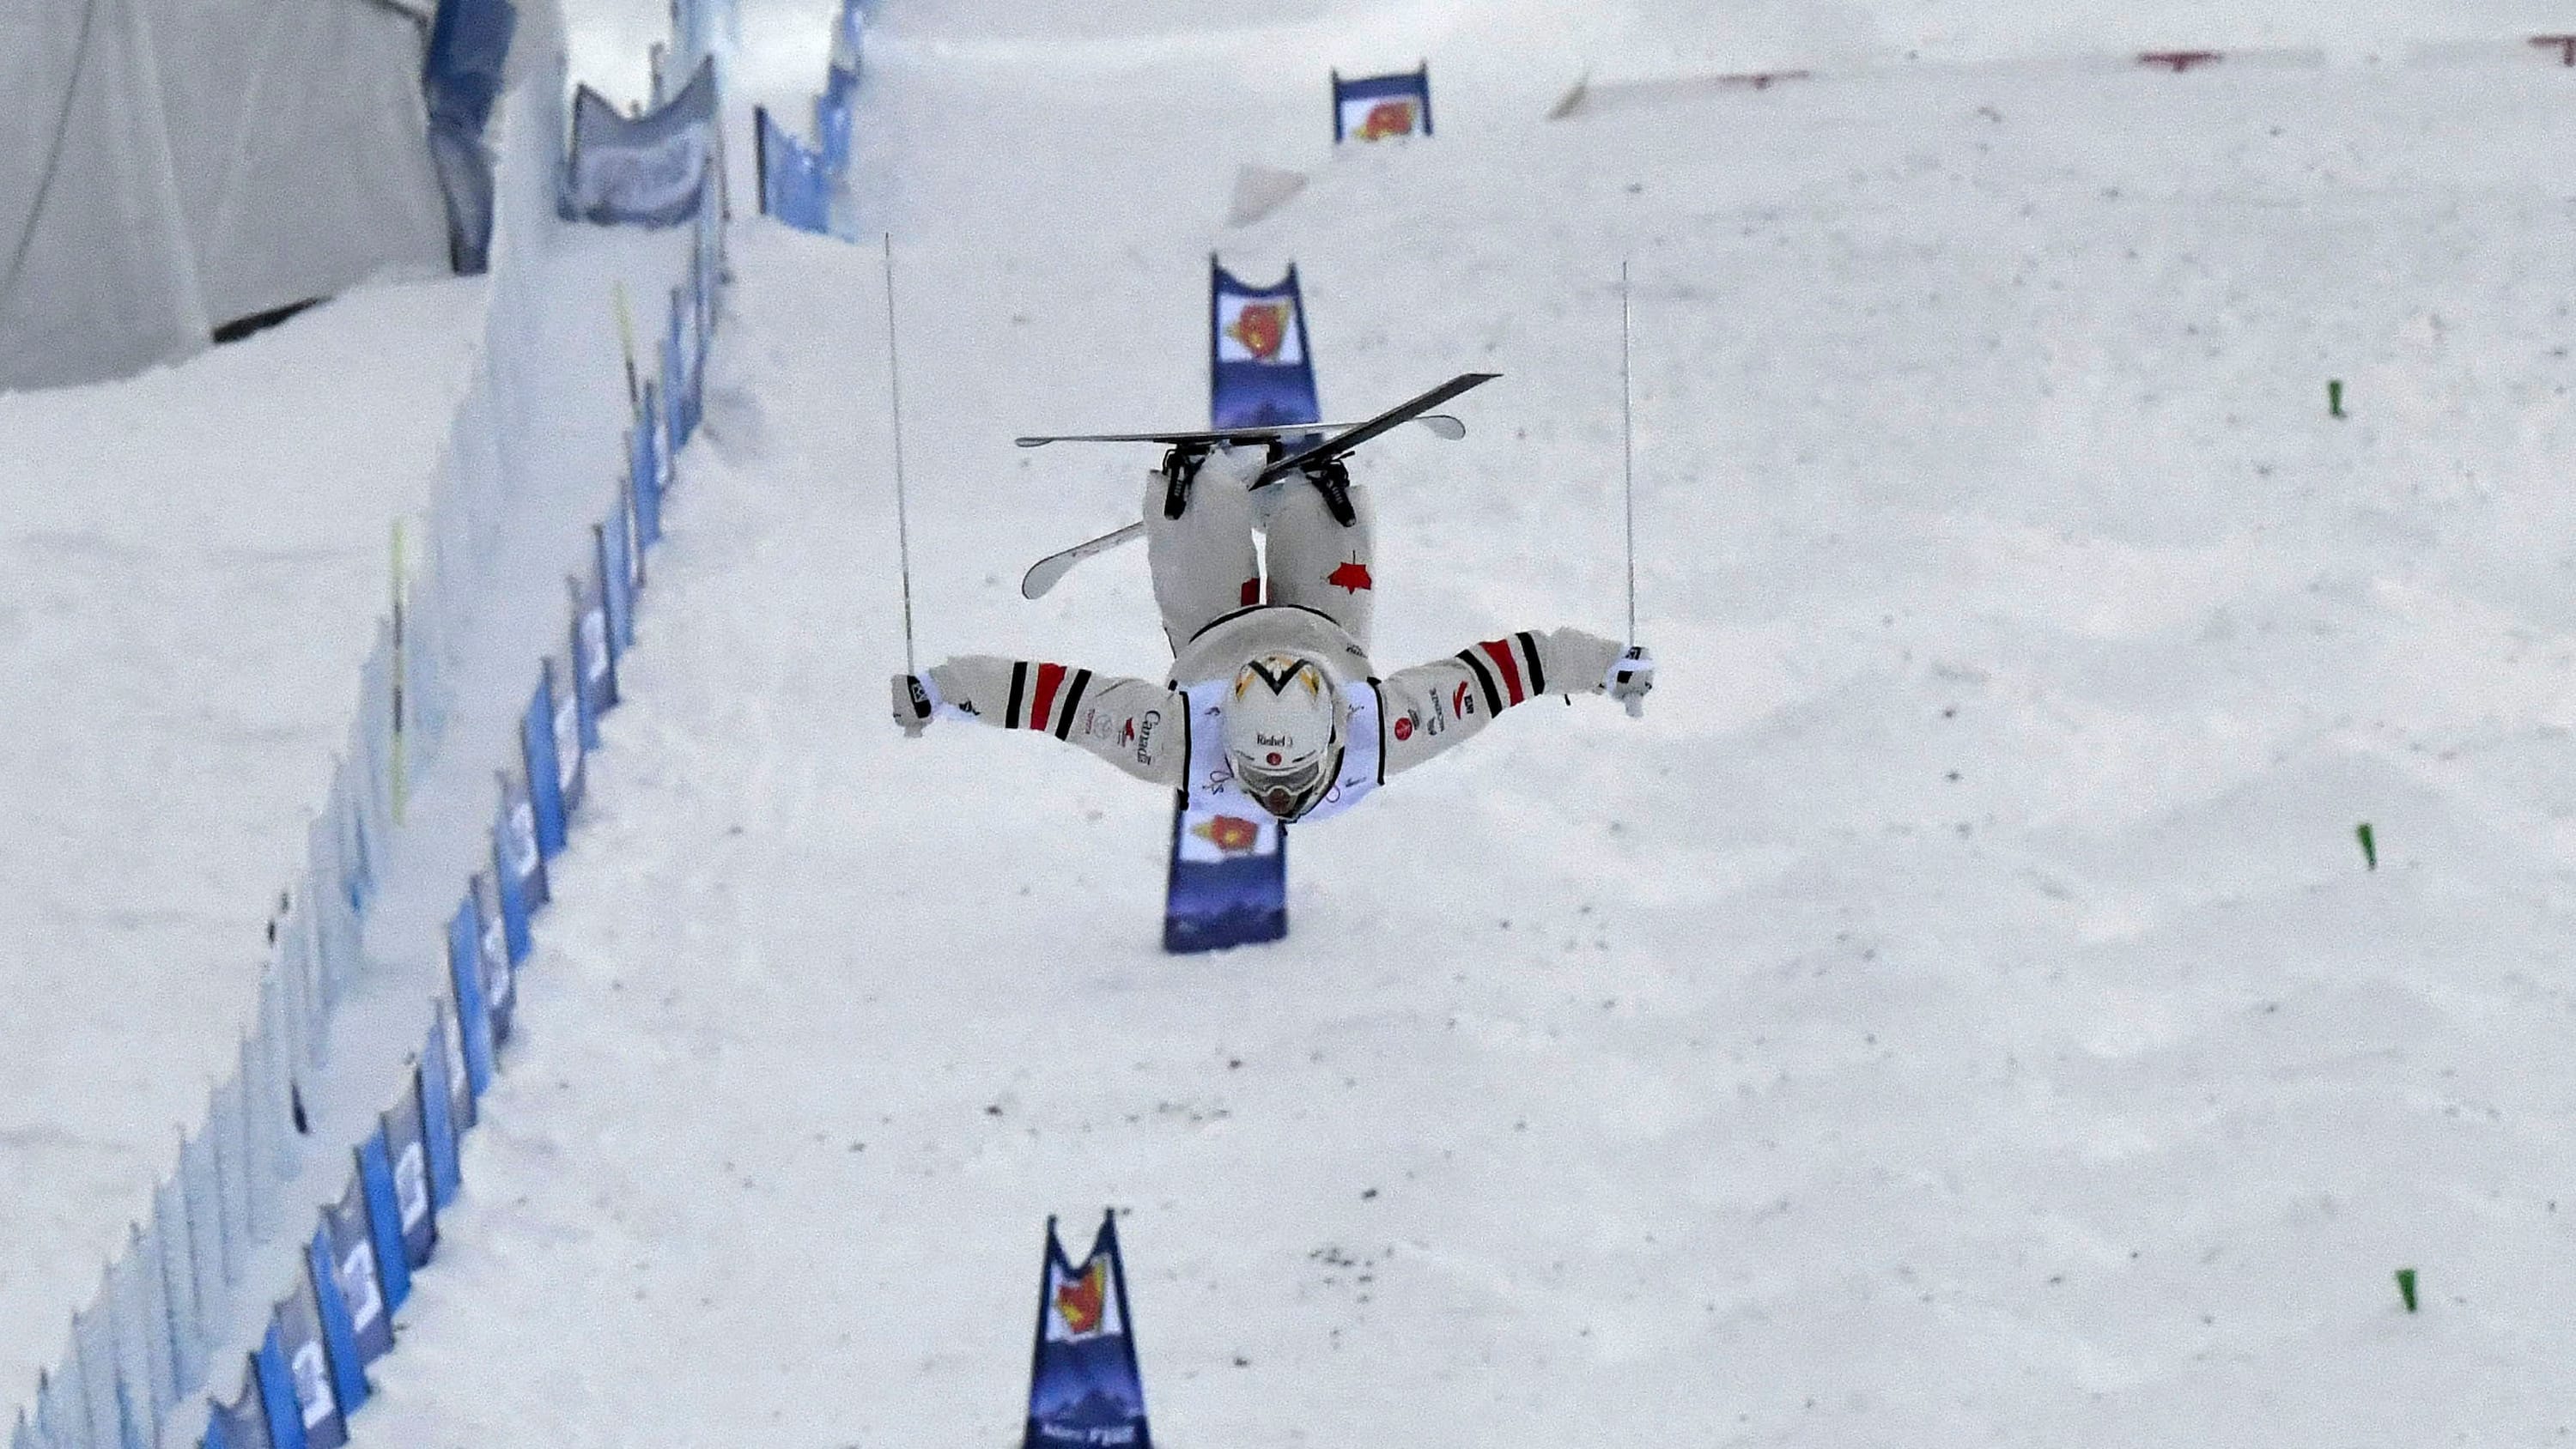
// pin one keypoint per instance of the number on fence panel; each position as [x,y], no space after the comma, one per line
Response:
[313,1383]
[411,1185]
[523,839]
[358,1284]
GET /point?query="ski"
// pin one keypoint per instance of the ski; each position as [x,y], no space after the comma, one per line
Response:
[1043,574]
[1047,572]
[1440,424]
[1333,448]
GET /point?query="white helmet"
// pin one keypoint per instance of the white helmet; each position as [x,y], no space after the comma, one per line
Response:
[1283,732]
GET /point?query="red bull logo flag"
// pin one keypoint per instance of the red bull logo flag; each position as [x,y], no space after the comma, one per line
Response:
[1084,1388]
[1382,107]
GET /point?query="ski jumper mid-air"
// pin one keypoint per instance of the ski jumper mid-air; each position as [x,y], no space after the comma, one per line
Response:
[1271,697]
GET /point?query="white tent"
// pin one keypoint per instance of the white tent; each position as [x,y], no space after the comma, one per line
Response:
[170,165]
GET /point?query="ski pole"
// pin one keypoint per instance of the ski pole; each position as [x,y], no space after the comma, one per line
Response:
[902,524]
[1628,466]
[1628,448]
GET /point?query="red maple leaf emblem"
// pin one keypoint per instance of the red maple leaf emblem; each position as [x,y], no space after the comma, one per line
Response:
[1351,577]
[1404,728]
[1261,327]
[1079,1301]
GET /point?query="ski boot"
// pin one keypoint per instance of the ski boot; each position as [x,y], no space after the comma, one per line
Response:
[1180,468]
[1333,481]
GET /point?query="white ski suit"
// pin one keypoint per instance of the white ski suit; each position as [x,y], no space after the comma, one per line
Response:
[1322,590]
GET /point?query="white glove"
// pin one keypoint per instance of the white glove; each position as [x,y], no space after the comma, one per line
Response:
[916,701]
[1629,677]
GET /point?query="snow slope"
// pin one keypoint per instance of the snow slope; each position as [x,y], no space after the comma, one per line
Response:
[192,563]
[192,566]
[1958,1013]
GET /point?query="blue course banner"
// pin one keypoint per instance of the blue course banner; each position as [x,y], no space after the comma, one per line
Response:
[354,1272]
[1084,1388]
[406,1130]
[384,1222]
[446,1105]
[1382,107]
[517,863]
[648,170]
[473,1015]
[1259,371]
[299,1335]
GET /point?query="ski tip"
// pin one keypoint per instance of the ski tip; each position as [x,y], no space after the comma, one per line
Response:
[1442,425]
[1032,442]
[1043,575]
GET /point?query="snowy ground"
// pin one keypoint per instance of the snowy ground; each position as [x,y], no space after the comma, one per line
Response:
[192,566]
[192,563]
[1958,1013]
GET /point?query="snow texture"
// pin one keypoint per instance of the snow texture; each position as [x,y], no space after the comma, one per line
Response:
[1959,1012]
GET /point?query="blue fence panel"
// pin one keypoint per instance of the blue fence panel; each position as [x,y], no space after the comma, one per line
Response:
[297,1327]
[384,1222]
[563,691]
[517,863]
[795,183]
[594,662]
[646,455]
[537,751]
[446,1106]
[406,1129]
[473,1017]
[615,542]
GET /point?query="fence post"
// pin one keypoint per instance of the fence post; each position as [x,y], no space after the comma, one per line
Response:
[97,1361]
[178,1287]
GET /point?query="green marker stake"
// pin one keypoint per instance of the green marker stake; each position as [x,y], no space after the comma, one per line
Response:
[2369,850]
[2406,1287]
[2334,397]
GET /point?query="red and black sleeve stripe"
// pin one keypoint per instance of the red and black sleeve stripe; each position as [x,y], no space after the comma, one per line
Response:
[1508,670]
[1041,699]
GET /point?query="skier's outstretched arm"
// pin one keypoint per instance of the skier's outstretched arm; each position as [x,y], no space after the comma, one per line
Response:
[1431,707]
[1134,724]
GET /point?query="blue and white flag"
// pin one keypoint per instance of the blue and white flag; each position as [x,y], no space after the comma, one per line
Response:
[650,170]
[1084,1388]
[1382,107]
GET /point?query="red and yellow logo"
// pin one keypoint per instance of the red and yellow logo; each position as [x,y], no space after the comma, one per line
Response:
[1080,1302]
[1387,118]
[1262,328]
[1229,833]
